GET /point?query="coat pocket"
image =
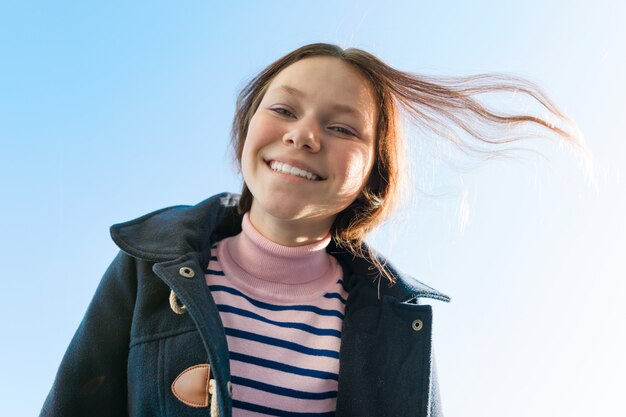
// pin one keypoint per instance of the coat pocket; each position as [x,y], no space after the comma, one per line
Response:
[153,366]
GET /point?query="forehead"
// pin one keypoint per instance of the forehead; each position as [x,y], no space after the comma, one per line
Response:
[327,80]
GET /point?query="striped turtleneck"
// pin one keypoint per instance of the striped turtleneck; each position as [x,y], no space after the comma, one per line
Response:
[282,309]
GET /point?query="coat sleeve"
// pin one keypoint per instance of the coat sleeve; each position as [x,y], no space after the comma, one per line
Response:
[91,380]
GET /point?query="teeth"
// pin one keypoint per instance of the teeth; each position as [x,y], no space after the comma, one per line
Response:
[288,169]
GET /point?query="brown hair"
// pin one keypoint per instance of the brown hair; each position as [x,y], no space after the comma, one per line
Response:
[446,106]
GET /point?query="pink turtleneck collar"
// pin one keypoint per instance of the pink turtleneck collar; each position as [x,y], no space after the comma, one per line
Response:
[267,269]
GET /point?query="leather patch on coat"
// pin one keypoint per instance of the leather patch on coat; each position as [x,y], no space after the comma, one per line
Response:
[192,386]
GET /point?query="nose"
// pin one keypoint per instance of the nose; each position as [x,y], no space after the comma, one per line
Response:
[304,134]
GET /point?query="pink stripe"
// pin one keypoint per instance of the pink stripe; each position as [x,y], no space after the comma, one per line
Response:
[280,378]
[280,402]
[286,356]
[244,413]
[321,302]
[285,316]
[290,335]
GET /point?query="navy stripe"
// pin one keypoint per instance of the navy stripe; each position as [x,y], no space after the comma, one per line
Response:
[214,272]
[213,258]
[273,307]
[290,325]
[340,282]
[285,392]
[281,343]
[279,366]
[335,295]
[242,405]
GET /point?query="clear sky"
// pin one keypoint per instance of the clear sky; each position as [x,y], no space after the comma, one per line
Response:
[109,110]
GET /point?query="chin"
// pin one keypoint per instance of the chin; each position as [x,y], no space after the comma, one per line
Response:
[282,211]
[286,209]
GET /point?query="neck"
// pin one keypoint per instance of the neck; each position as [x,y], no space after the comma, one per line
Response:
[290,232]
[261,265]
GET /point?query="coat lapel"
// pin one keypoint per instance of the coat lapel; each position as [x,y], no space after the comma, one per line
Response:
[385,359]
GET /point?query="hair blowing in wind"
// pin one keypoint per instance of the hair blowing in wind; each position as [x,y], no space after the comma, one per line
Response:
[452,109]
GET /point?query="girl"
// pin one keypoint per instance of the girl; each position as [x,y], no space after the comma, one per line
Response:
[270,303]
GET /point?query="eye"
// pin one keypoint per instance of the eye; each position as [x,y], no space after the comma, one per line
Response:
[343,130]
[282,111]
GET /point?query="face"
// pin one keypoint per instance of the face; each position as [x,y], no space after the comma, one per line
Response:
[310,144]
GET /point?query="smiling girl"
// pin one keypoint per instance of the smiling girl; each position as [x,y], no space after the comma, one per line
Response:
[309,149]
[270,303]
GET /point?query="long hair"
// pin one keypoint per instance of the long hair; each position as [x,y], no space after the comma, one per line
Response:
[446,106]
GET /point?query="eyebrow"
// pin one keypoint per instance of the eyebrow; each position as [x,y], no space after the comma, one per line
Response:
[341,108]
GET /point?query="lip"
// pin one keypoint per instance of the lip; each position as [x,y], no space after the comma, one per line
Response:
[295,163]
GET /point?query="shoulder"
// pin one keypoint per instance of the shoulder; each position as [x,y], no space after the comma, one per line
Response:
[405,288]
[170,232]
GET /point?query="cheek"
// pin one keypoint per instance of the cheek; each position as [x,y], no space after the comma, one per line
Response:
[252,142]
[262,128]
[247,160]
[245,156]
[356,168]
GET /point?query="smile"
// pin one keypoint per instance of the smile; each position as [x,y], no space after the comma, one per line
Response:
[288,169]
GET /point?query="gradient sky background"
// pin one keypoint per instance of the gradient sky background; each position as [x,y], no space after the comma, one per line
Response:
[109,110]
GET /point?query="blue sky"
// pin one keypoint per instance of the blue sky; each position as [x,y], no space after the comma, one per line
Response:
[111,110]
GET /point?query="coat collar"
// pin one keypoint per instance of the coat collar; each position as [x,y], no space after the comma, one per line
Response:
[166,234]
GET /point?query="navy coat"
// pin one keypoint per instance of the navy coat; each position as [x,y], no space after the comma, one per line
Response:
[130,345]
